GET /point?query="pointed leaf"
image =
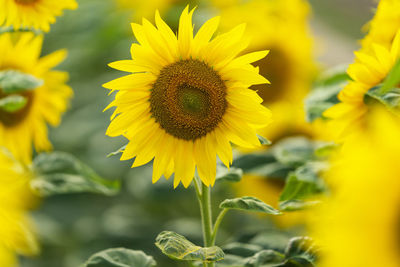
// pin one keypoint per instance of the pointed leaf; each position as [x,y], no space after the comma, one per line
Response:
[231,175]
[120,150]
[392,79]
[178,247]
[264,141]
[12,103]
[248,204]
[13,81]
[62,173]
[120,257]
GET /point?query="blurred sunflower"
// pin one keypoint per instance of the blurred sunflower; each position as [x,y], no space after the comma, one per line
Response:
[384,25]
[187,98]
[37,14]
[18,129]
[146,9]
[349,116]
[16,231]
[280,26]
[358,225]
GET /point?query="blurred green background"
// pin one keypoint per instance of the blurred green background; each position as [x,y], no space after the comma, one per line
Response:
[73,227]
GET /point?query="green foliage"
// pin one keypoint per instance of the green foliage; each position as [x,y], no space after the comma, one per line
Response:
[120,257]
[392,79]
[324,94]
[12,103]
[178,247]
[61,173]
[230,175]
[389,98]
[248,204]
[263,140]
[294,151]
[114,153]
[13,81]
[297,252]
[302,184]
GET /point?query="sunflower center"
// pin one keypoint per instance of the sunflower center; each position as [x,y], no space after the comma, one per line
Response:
[277,68]
[10,119]
[25,2]
[188,99]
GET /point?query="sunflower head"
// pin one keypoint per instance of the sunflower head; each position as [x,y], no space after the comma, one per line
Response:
[187,98]
[282,27]
[350,116]
[16,229]
[37,14]
[359,223]
[43,104]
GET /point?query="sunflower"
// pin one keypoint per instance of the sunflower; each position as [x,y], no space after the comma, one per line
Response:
[44,104]
[16,230]
[280,26]
[384,25]
[145,8]
[37,14]
[187,98]
[358,225]
[349,116]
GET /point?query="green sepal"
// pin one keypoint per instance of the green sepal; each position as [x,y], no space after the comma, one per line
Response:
[392,79]
[177,247]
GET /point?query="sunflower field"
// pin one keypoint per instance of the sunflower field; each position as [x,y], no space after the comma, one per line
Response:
[209,133]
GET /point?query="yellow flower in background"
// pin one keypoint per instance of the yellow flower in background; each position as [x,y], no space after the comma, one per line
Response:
[145,9]
[358,225]
[45,104]
[369,70]
[384,26]
[16,230]
[280,26]
[37,14]
[187,98]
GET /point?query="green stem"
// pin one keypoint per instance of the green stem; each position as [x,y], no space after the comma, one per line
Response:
[204,198]
[220,217]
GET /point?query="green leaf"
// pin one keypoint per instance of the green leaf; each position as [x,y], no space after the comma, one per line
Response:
[324,94]
[120,150]
[231,175]
[241,249]
[264,141]
[62,173]
[300,251]
[325,150]
[13,81]
[301,185]
[264,257]
[178,247]
[390,98]
[294,151]
[120,257]
[248,204]
[392,79]
[12,103]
